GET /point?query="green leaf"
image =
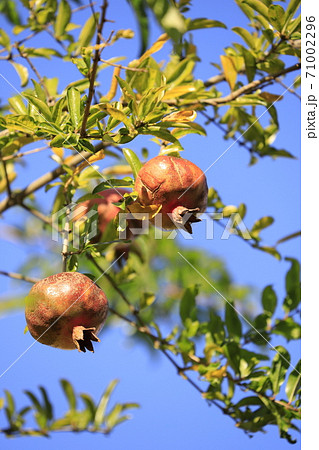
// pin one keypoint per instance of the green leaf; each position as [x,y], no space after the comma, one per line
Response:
[293,383]
[23,123]
[280,365]
[261,224]
[216,328]
[46,403]
[117,114]
[160,133]
[288,328]
[271,250]
[5,40]
[40,93]
[62,19]
[8,8]
[111,183]
[200,23]
[23,73]
[293,289]
[133,161]
[181,72]
[69,393]
[246,36]
[258,6]
[290,12]
[276,15]
[269,300]
[18,105]
[169,18]
[74,106]
[10,404]
[101,408]
[42,108]
[87,32]
[250,64]
[187,307]
[233,322]
[35,402]
[232,353]
[90,405]
[147,299]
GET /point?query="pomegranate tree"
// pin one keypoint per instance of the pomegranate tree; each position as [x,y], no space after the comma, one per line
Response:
[66,310]
[176,184]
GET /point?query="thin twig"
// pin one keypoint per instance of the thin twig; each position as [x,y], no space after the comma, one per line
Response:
[132,69]
[40,216]
[114,285]
[80,8]
[248,88]
[143,328]
[241,143]
[35,70]
[18,276]
[92,74]
[288,88]
[20,155]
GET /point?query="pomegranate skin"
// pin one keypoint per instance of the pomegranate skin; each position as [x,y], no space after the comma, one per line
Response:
[178,185]
[66,311]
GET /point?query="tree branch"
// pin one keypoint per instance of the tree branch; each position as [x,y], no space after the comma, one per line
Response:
[92,74]
[248,88]
[18,197]
[6,176]
[143,328]
[35,70]
[18,276]
[20,155]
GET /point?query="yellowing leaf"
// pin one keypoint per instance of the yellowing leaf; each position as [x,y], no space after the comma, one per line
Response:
[229,70]
[178,91]
[218,373]
[181,116]
[113,88]
[149,211]
[59,151]
[158,44]
[271,98]
[116,114]
[97,47]
[22,72]
[118,170]
[229,209]
[96,157]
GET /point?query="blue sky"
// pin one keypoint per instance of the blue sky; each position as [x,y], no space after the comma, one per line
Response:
[172,414]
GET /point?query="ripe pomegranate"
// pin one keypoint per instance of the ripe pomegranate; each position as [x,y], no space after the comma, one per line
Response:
[66,311]
[106,210]
[178,185]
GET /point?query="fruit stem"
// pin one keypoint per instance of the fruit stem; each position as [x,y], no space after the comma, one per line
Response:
[82,338]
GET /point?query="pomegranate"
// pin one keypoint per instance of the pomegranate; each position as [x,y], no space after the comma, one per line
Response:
[66,311]
[178,185]
[106,210]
